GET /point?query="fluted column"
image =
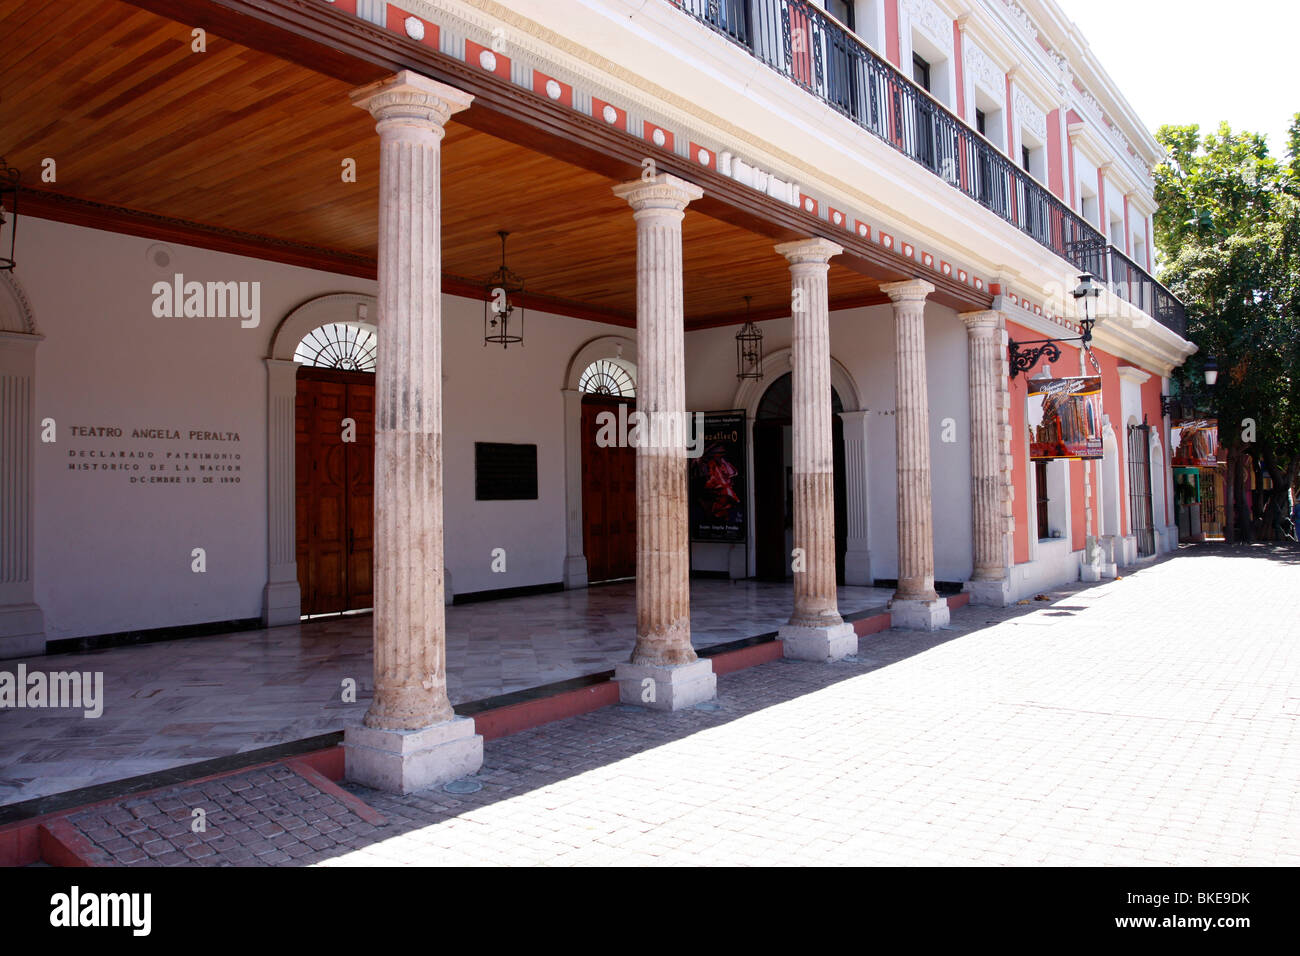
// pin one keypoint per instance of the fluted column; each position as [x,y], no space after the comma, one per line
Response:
[22,623]
[915,604]
[664,672]
[410,740]
[281,598]
[815,631]
[990,480]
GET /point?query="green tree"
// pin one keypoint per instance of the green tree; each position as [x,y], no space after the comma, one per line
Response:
[1228,231]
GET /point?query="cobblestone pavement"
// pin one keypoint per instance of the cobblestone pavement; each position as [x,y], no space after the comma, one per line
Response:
[277,814]
[1150,720]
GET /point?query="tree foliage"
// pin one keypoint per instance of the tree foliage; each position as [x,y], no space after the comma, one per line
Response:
[1228,230]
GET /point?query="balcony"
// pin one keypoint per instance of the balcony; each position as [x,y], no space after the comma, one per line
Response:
[806,46]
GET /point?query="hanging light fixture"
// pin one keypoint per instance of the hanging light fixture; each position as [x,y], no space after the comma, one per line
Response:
[1211,370]
[1086,296]
[500,324]
[9,177]
[749,349]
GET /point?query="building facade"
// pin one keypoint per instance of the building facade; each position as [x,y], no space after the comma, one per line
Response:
[246,227]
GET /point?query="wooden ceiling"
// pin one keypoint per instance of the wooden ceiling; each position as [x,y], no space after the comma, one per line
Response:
[239,141]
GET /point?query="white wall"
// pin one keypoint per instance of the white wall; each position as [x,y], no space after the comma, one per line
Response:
[112,556]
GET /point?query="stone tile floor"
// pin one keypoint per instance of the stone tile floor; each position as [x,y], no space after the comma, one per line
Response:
[179,702]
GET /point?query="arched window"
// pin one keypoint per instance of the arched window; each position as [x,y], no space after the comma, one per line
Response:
[339,345]
[608,377]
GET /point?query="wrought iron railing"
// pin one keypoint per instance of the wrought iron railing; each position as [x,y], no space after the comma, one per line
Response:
[802,43]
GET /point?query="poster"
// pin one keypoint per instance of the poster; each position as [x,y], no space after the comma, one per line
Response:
[1196,443]
[1065,418]
[717,480]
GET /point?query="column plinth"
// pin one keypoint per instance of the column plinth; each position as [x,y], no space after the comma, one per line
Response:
[815,630]
[663,672]
[990,479]
[915,604]
[409,740]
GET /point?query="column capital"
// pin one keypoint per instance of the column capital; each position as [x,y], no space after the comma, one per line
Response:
[815,250]
[663,193]
[986,321]
[912,290]
[408,99]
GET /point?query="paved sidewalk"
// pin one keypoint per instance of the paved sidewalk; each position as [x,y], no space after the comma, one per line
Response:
[1150,720]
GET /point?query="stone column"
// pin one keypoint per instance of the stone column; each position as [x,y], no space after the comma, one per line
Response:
[857,556]
[915,604]
[816,631]
[281,598]
[575,558]
[410,739]
[22,623]
[990,480]
[664,672]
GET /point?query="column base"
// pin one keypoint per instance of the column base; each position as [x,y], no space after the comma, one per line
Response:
[575,571]
[669,688]
[404,761]
[22,631]
[916,615]
[822,644]
[989,593]
[281,604]
[857,568]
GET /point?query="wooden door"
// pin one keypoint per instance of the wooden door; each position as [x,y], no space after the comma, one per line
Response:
[335,490]
[769,502]
[608,500]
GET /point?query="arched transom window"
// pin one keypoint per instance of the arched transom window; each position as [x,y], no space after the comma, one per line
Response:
[608,377]
[339,345]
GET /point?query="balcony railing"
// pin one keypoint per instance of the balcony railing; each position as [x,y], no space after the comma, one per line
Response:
[803,44]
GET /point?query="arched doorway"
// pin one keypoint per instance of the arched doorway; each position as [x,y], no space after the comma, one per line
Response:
[334,467]
[608,387]
[773,482]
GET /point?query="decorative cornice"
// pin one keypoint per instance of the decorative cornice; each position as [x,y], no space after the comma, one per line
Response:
[932,21]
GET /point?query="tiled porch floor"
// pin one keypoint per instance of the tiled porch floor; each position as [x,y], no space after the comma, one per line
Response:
[183,701]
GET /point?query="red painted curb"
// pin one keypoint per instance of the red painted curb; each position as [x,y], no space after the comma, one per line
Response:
[62,845]
[511,719]
[303,768]
[738,660]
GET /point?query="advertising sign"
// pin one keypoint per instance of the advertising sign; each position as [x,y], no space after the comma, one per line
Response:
[1065,418]
[1196,443]
[717,480]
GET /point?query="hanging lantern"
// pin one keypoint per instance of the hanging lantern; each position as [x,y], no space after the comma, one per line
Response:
[749,349]
[501,325]
[8,200]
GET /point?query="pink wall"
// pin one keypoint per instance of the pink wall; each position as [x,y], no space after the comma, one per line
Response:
[1055,173]
[892,51]
[1022,507]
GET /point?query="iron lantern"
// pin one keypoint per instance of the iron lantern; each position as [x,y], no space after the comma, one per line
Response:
[501,325]
[749,349]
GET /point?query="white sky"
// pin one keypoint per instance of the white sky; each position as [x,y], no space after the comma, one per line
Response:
[1200,61]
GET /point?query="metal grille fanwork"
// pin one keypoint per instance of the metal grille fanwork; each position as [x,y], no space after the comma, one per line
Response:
[348,348]
[1139,488]
[607,377]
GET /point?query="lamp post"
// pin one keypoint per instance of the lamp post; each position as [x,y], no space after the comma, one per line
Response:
[1086,295]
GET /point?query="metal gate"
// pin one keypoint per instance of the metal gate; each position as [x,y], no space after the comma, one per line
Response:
[1139,488]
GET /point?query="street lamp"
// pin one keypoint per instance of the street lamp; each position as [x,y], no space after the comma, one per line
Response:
[1085,296]
[1211,371]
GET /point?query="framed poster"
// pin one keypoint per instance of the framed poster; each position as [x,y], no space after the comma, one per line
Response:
[717,481]
[1196,443]
[1065,418]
